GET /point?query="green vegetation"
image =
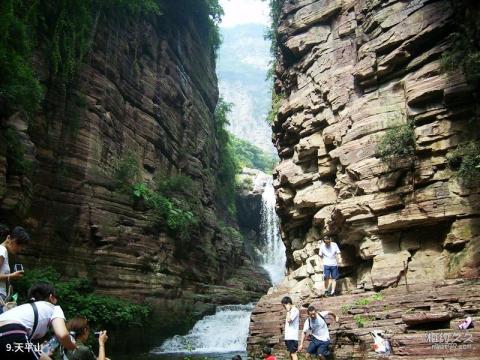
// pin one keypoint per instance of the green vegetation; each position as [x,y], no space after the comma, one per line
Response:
[230,232]
[276,103]
[345,308]
[361,320]
[368,300]
[64,31]
[127,172]
[465,159]
[251,156]
[19,85]
[215,13]
[398,141]
[244,182]
[463,55]
[275,12]
[76,297]
[176,214]
[465,51]
[206,13]
[228,165]
[171,198]
[16,153]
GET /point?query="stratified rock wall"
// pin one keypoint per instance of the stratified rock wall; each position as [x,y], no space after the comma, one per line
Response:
[147,91]
[420,321]
[348,71]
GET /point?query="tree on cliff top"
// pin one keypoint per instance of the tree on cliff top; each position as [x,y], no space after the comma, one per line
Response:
[64,30]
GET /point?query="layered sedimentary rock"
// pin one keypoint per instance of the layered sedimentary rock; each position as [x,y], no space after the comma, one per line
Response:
[148,90]
[420,321]
[348,71]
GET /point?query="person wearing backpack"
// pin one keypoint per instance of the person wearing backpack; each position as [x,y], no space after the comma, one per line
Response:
[317,329]
[27,322]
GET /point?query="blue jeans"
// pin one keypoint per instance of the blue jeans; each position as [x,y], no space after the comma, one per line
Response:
[319,347]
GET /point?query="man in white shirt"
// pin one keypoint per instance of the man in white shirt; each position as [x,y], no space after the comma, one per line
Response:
[317,327]
[292,322]
[328,252]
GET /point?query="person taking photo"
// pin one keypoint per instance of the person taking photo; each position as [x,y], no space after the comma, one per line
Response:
[79,326]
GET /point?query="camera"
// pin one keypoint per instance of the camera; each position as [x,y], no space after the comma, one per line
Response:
[97,334]
[18,267]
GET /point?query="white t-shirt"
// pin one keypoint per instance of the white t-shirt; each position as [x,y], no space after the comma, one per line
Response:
[317,326]
[4,269]
[329,258]
[291,329]
[24,315]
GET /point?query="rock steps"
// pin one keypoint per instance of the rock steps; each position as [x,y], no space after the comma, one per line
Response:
[419,321]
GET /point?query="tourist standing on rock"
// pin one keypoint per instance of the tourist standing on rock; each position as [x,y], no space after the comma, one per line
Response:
[317,328]
[328,252]
[292,322]
[12,245]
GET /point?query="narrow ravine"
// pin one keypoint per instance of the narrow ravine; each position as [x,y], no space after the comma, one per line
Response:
[225,333]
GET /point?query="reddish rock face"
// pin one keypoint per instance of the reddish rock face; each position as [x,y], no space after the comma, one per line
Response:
[420,321]
[149,91]
[349,71]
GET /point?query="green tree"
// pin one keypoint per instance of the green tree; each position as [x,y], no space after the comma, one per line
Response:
[228,165]
[251,156]
[77,298]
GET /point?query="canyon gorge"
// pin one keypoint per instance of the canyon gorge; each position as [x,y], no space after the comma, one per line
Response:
[119,173]
[407,226]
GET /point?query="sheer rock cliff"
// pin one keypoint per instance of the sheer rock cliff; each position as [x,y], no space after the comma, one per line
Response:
[147,90]
[346,72]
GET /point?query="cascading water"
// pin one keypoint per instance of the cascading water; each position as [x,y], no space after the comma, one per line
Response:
[273,257]
[224,332]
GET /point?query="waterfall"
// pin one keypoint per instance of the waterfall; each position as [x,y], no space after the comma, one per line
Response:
[224,332]
[272,257]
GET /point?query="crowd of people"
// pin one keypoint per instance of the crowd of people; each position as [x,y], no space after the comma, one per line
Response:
[24,328]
